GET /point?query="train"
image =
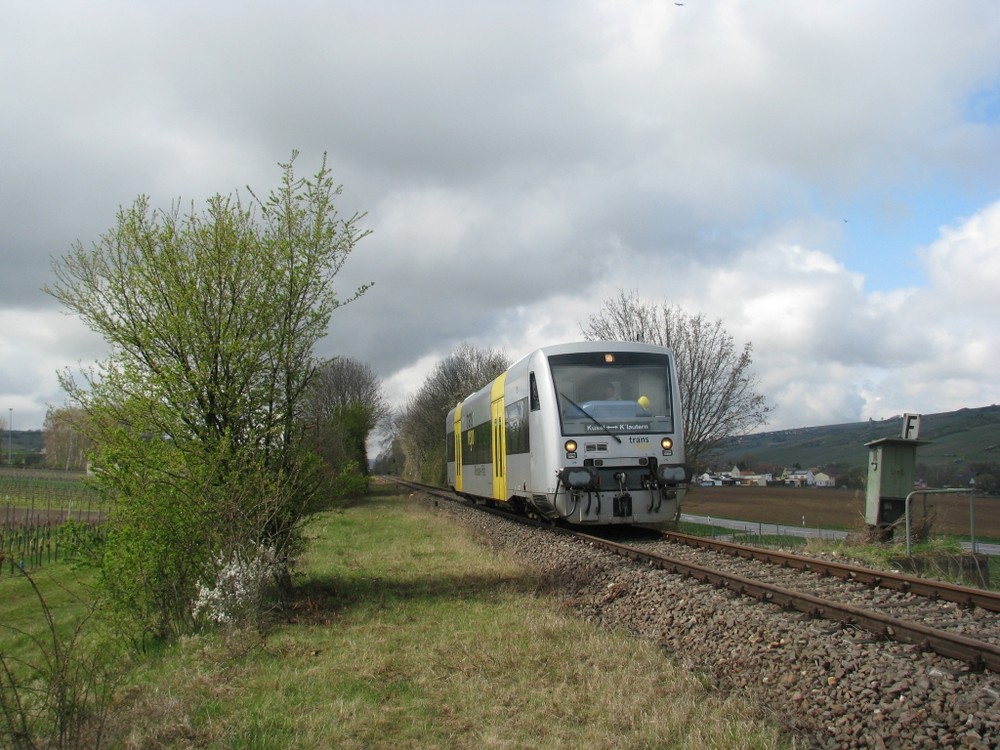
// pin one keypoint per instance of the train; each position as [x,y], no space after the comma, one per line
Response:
[587,433]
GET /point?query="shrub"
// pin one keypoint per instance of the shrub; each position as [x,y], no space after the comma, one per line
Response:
[350,482]
[242,589]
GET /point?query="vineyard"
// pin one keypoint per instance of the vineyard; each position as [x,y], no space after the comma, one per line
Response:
[45,516]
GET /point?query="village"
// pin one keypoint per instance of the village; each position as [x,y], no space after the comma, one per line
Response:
[788,477]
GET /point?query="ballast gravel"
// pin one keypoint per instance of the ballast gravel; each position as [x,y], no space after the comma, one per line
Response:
[829,686]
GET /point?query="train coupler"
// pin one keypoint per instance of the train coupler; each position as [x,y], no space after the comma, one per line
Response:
[622,505]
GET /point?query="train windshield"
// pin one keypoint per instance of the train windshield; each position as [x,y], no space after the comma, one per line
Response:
[614,392]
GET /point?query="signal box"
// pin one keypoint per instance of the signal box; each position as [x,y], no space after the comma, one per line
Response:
[891,467]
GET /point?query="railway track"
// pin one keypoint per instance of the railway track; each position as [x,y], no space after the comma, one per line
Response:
[976,652]
[963,595]
[965,621]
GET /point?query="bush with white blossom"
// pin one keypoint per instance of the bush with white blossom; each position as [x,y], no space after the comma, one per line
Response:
[242,589]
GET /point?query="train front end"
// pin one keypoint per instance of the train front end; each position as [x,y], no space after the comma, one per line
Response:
[614,439]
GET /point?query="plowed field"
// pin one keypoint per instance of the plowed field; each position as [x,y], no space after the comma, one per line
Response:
[834,508]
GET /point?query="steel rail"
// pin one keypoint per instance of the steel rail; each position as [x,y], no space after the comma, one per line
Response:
[977,654]
[965,595]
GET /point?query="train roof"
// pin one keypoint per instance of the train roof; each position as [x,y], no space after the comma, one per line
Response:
[597,346]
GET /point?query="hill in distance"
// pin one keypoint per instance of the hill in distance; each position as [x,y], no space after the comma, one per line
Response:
[21,441]
[958,437]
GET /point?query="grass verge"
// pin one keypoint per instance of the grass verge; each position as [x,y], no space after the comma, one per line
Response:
[405,633]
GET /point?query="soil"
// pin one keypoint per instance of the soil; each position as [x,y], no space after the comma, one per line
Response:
[834,508]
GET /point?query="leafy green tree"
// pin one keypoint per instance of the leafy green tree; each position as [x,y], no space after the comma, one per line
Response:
[987,483]
[211,317]
[718,391]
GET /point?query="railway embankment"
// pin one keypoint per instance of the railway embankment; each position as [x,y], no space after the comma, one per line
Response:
[830,685]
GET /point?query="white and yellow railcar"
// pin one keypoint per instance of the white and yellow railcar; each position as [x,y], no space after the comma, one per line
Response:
[590,433]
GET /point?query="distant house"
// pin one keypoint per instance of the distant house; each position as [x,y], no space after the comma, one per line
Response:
[824,480]
[800,478]
[745,478]
[707,480]
[749,479]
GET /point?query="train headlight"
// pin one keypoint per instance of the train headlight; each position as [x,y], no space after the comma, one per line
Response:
[570,446]
[667,444]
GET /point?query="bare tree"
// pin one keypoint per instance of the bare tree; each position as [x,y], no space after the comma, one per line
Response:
[718,391]
[422,428]
[66,438]
[344,405]
[391,458]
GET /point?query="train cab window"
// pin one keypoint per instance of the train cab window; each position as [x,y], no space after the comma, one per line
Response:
[629,392]
[533,392]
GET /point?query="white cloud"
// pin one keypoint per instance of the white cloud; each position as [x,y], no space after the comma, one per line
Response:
[37,345]
[964,265]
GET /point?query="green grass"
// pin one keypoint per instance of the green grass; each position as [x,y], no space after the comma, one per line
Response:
[52,670]
[403,633]
[935,558]
[407,634]
[67,590]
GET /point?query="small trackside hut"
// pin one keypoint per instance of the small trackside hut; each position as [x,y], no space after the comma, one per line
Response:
[589,433]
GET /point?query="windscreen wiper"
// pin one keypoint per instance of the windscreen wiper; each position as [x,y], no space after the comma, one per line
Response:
[589,416]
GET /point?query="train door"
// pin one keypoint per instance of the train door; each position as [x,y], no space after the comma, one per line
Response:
[499,438]
[457,437]
[541,469]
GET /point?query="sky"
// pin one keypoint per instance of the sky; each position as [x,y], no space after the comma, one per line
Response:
[824,178]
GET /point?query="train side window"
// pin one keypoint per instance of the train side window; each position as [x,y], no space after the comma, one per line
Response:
[533,390]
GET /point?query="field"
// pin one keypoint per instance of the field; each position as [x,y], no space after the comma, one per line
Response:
[54,494]
[834,508]
[34,508]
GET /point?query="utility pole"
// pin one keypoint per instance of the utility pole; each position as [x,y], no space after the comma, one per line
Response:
[10,437]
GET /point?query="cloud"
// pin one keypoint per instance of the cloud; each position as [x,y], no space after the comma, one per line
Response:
[822,177]
[964,265]
[44,344]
